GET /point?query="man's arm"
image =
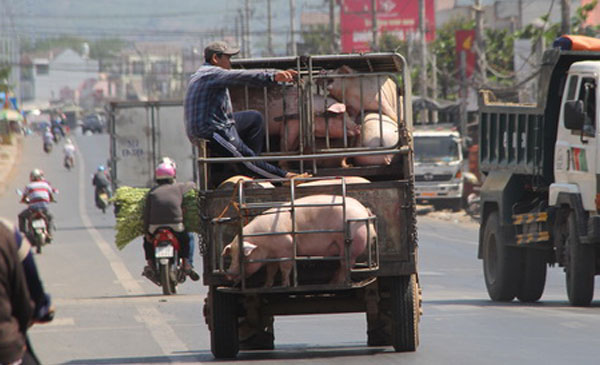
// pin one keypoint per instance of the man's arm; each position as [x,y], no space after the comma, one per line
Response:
[226,78]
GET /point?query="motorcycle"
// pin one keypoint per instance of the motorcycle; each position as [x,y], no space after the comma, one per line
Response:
[47,147]
[473,203]
[56,134]
[37,228]
[167,263]
[69,162]
[102,200]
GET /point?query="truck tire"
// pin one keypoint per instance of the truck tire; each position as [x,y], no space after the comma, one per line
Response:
[501,262]
[397,320]
[533,275]
[580,267]
[224,341]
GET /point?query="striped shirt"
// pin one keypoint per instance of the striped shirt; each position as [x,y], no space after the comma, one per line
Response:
[38,193]
[207,102]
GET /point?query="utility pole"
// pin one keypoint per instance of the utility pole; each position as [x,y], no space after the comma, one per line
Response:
[520,12]
[434,86]
[565,25]
[269,30]
[479,43]
[332,40]
[293,49]
[247,30]
[236,30]
[374,24]
[423,71]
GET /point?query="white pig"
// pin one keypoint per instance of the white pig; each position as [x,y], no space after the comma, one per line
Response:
[371,137]
[347,179]
[372,88]
[313,244]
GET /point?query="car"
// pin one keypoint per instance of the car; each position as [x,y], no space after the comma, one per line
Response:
[95,123]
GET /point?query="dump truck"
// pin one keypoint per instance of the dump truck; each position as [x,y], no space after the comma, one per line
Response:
[540,198]
[383,283]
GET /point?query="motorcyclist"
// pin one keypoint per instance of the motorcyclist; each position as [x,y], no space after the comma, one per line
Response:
[37,194]
[69,151]
[57,126]
[102,183]
[163,208]
[48,137]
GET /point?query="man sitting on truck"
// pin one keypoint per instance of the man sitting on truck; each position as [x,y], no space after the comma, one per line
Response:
[209,114]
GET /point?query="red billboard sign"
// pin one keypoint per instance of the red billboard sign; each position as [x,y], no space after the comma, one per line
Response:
[397,17]
[465,42]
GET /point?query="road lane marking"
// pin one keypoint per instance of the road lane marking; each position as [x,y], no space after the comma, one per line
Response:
[159,329]
[445,238]
[63,321]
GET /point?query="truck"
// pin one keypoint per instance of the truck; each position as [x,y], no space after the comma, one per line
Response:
[384,283]
[439,164]
[540,198]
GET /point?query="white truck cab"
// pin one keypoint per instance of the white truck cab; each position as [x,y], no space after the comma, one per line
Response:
[576,148]
[438,166]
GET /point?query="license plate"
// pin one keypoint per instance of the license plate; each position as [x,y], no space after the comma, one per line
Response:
[38,223]
[164,251]
[428,194]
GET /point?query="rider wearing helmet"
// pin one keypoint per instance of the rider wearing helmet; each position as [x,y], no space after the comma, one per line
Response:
[102,183]
[69,151]
[163,208]
[38,194]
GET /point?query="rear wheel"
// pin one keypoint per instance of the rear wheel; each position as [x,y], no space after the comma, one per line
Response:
[501,262]
[38,241]
[533,279]
[224,340]
[580,267]
[168,286]
[397,320]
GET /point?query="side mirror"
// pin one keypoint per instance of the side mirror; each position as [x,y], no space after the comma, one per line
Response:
[19,192]
[574,115]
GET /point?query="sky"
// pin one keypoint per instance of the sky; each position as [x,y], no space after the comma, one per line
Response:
[178,21]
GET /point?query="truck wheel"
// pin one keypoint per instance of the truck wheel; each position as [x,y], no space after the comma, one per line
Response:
[168,286]
[398,316]
[533,276]
[500,262]
[404,296]
[224,341]
[580,267]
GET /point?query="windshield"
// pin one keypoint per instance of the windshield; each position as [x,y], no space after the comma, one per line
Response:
[436,149]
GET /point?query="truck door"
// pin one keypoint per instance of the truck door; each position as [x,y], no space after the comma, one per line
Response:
[575,151]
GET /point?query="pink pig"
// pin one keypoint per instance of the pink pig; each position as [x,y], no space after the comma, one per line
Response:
[313,244]
[348,91]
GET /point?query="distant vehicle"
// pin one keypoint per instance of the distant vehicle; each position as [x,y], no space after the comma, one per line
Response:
[438,167]
[95,123]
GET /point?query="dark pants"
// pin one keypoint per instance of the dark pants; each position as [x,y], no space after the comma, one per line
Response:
[24,216]
[245,138]
[184,246]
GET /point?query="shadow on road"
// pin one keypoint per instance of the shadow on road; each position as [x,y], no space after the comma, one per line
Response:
[515,303]
[83,228]
[286,352]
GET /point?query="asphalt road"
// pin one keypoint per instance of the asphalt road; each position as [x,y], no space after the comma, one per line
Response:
[108,314]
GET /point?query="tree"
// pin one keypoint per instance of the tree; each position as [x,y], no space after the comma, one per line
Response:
[4,75]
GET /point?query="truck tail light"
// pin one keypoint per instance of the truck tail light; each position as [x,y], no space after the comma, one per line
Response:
[597,200]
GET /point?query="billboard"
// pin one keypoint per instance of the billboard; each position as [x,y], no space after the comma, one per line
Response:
[465,42]
[397,17]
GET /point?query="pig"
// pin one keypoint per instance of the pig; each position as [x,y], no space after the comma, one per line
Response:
[371,137]
[231,182]
[347,179]
[350,94]
[280,117]
[314,244]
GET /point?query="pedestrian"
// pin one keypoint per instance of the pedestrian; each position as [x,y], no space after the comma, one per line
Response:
[16,309]
[209,114]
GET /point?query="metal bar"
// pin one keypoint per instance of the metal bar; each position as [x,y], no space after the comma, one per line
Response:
[294,237]
[380,114]
[402,150]
[267,119]
[293,232]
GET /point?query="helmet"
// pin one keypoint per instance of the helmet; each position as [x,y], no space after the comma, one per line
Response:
[168,160]
[100,168]
[164,171]
[36,175]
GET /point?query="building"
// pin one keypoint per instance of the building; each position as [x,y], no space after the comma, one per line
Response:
[50,78]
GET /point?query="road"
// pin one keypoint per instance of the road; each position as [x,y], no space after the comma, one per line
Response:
[108,314]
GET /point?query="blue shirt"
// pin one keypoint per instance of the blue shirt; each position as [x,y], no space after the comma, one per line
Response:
[207,102]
